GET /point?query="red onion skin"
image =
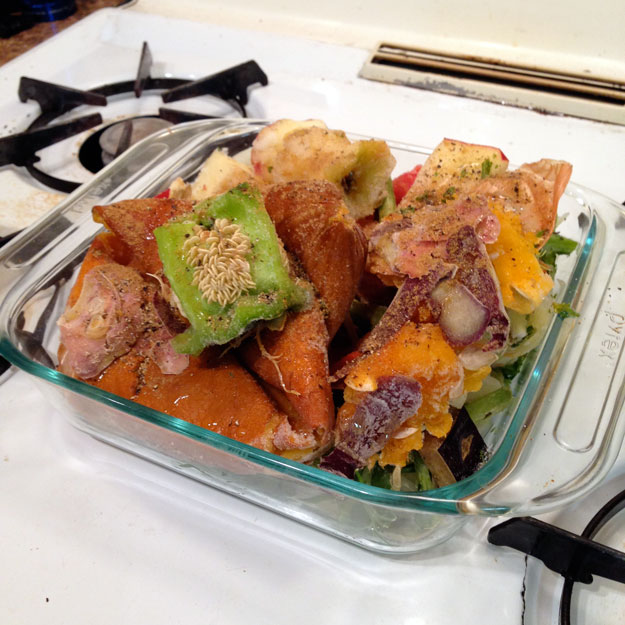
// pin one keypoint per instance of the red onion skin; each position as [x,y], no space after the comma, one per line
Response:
[463,318]
[376,417]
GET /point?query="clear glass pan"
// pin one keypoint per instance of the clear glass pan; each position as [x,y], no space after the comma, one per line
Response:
[555,443]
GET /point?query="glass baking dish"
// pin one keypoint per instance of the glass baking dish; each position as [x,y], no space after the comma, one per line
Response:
[558,439]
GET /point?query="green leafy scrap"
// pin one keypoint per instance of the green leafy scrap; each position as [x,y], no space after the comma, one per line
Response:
[449,193]
[487,166]
[556,245]
[415,476]
[564,311]
[510,371]
[376,476]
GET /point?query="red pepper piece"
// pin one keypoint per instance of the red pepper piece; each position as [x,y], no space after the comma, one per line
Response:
[403,182]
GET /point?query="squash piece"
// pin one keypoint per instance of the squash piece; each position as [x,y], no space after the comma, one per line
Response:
[524,284]
[419,352]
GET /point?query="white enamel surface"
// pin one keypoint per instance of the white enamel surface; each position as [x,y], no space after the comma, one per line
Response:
[313,79]
[91,534]
[569,35]
[99,532]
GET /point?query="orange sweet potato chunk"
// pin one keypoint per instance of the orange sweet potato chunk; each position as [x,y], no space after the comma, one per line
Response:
[215,393]
[105,248]
[295,361]
[134,221]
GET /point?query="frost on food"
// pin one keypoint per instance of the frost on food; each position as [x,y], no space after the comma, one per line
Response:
[441,247]
[422,354]
[299,305]
[370,426]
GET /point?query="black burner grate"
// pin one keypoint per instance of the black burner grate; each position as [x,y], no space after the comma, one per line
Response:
[230,85]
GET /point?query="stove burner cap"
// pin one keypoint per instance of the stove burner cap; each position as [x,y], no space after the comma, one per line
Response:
[107,143]
[118,137]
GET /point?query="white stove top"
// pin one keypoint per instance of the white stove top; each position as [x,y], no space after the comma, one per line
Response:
[92,534]
[307,79]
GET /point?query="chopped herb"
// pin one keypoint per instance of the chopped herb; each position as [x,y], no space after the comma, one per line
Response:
[511,371]
[487,165]
[481,409]
[449,193]
[407,210]
[424,197]
[415,476]
[555,246]
[464,173]
[564,311]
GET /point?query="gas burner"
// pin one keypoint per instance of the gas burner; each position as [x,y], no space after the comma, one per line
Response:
[580,558]
[106,144]
[230,85]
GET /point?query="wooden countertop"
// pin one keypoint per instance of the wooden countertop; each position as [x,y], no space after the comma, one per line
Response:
[27,39]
